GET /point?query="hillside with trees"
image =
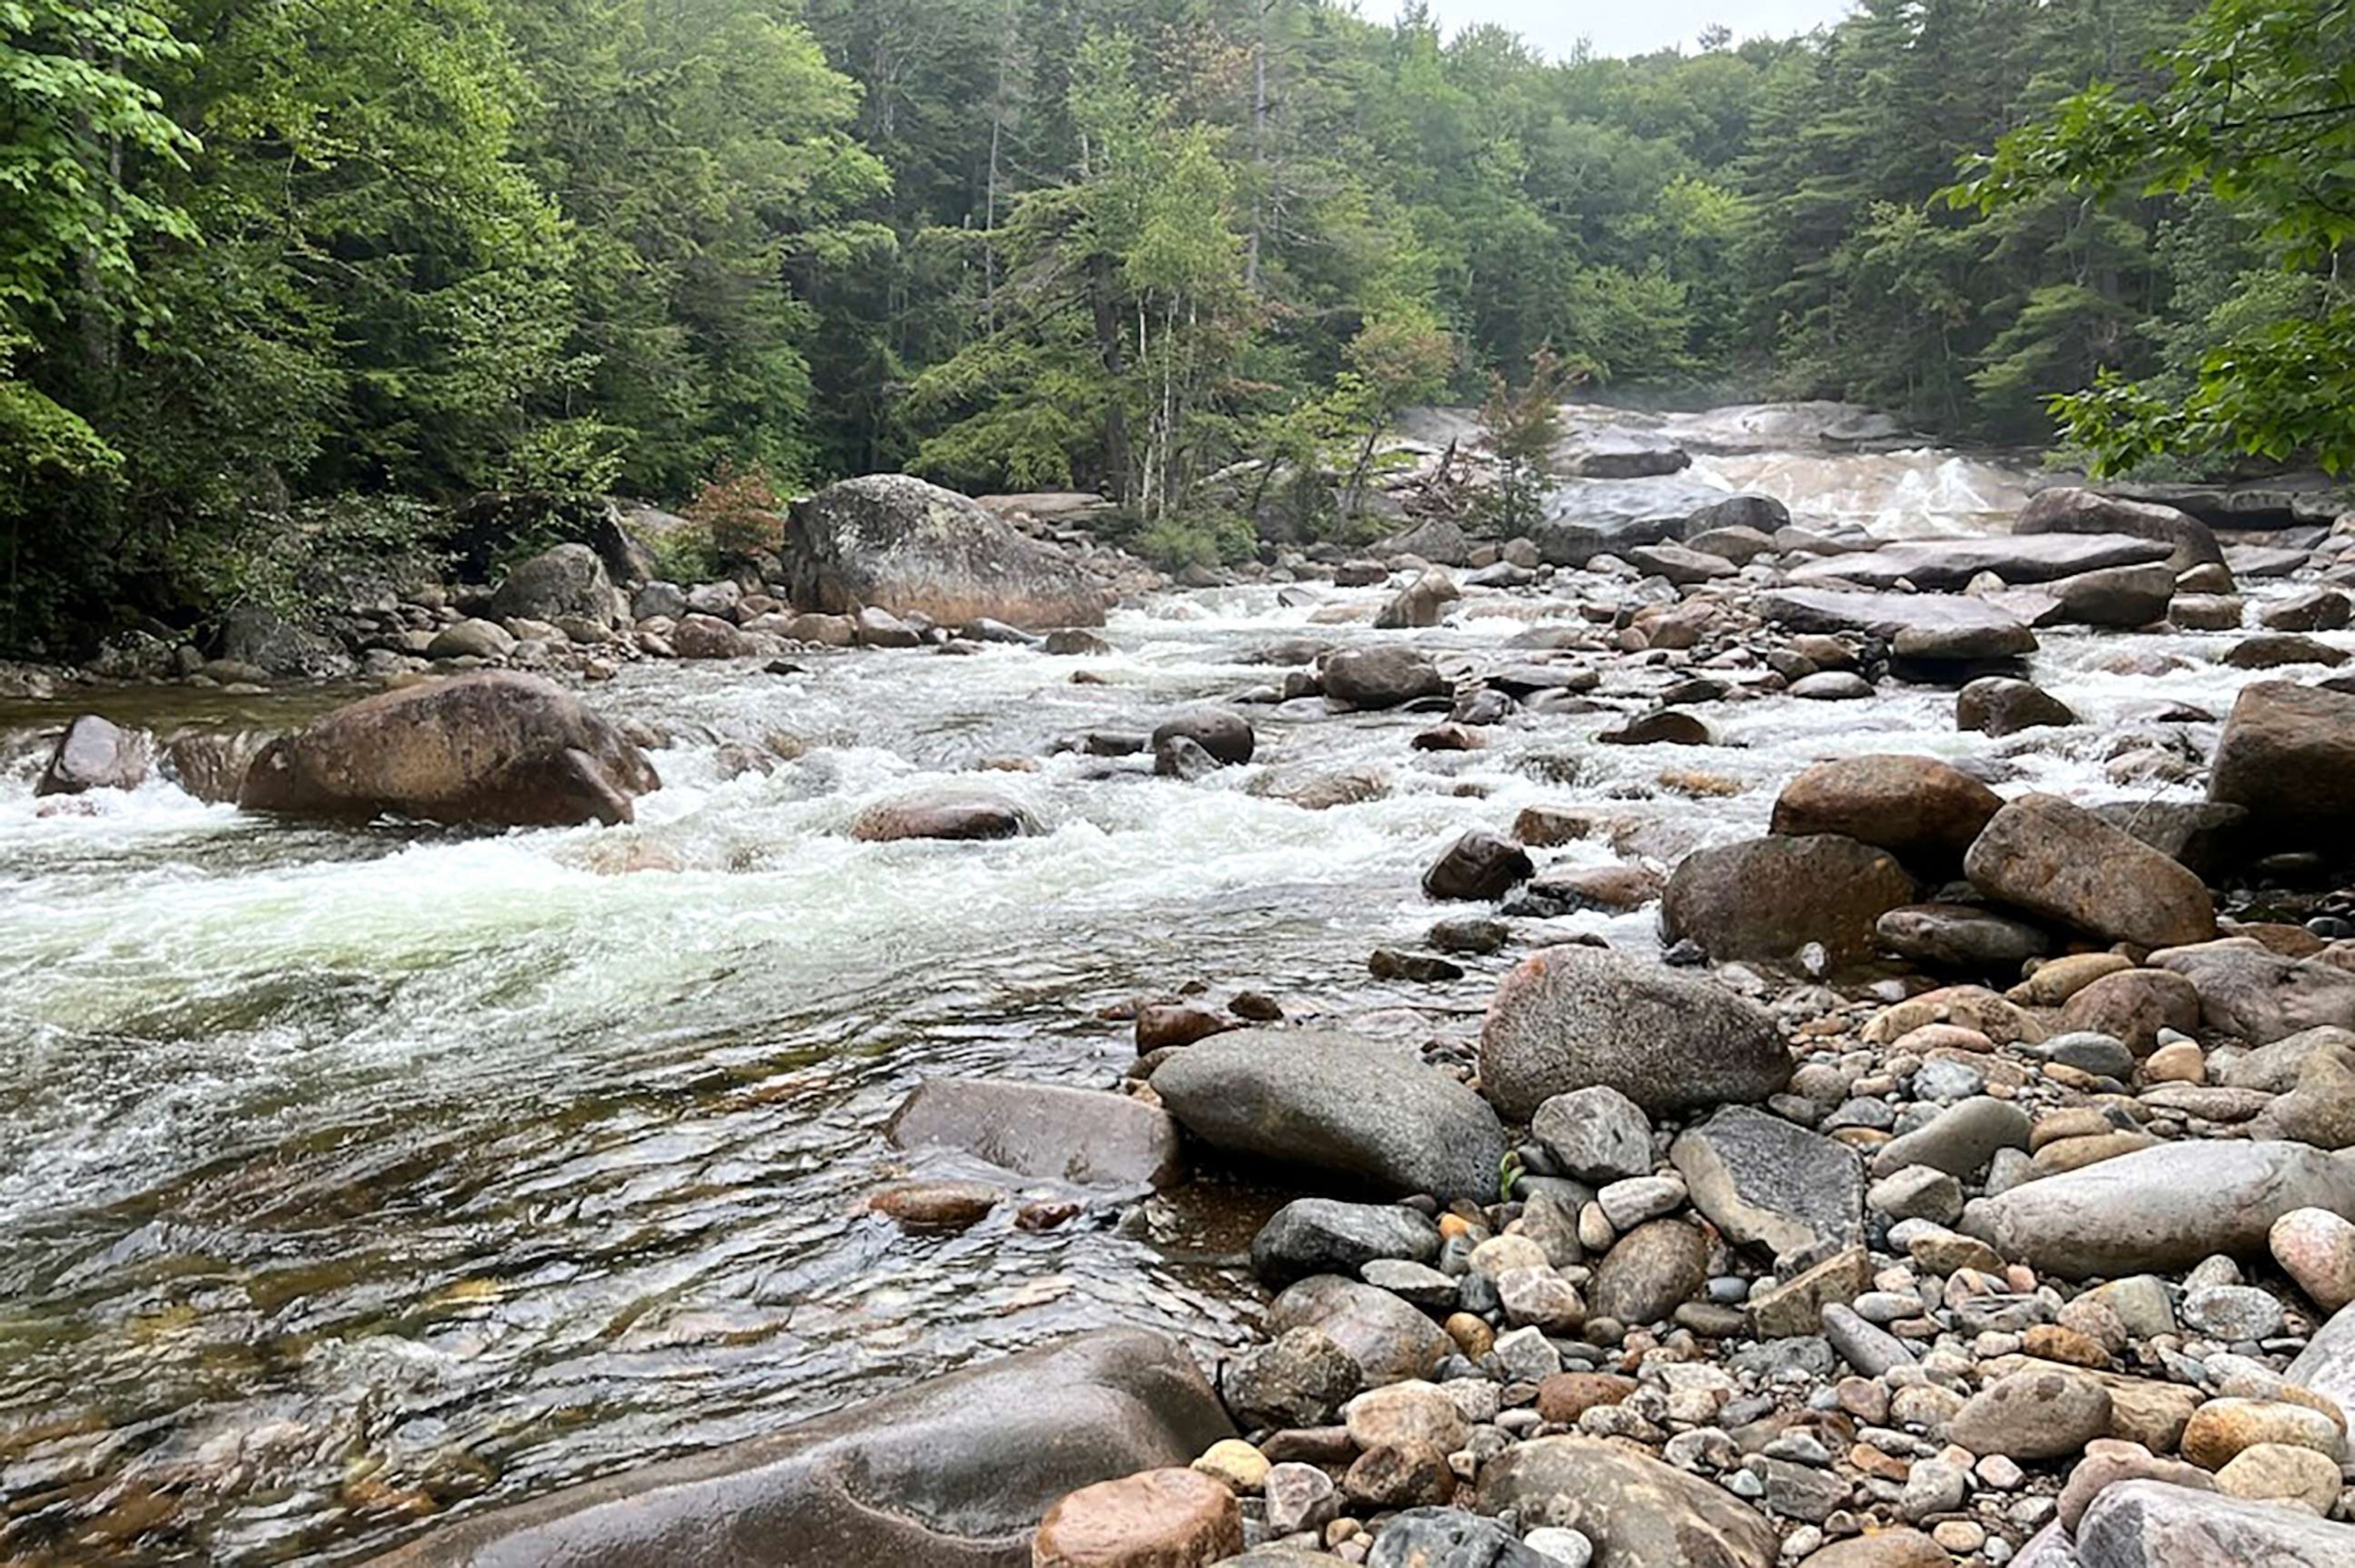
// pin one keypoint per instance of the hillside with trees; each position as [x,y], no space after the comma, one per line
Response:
[277,281]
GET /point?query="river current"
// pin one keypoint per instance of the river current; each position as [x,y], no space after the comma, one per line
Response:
[351,1177]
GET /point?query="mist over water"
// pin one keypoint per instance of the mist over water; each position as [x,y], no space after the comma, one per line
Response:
[350,1176]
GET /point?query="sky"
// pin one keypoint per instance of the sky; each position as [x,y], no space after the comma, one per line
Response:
[1628,26]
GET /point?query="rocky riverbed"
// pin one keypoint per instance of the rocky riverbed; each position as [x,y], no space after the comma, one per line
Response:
[1812,1023]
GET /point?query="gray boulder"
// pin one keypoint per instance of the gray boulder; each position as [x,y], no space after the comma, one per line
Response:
[1764,1182]
[1390,1341]
[2070,510]
[2257,996]
[1570,1017]
[1389,677]
[1638,1512]
[2121,597]
[1324,1235]
[2326,1365]
[2161,1209]
[1947,565]
[94,754]
[894,543]
[1932,628]
[953,1473]
[260,638]
[568,580]
[1450,1538]
[2149,1524]
[1961,937]
[1337,1105]
[1044,1131]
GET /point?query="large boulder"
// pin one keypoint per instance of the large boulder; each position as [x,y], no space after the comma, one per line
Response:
[568,580]
[1770,899]
[2149,1524]
[1638,1512]
[953,1473]
[210,764]
[1338,1105]
[2161,1209]
[1044,1131]
[2057,859]
[2254,995]
[2070,510]
[1605,516]
[1390,1341]
[2288,758]
[954,813]
[1947,565]
[95,754]
[1928,627]
[494,749]
[1387,676]
[1920,809]
[1999,705]
[2122,597]
[891,541]
[262,639]
[1571,1017]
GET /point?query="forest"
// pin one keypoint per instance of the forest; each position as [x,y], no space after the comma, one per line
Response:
[278,279]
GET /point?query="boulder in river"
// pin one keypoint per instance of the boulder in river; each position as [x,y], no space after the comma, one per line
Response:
[955,1472]
[497,750]
[1570,1017]
[1389,677]
[1772,898]
[1479,865]
[95,754]
[1226,736]
[1044,1131]
[1947,565]
[2068,509]
[1638,1512]
[2288,758]
[1920,809]
[891,541]
[568,580]
[1997,706]
[2121,597]
[1337,1105]
[1930,628]
[2161,1209]
[210,764]
[954,814]
[2055,859]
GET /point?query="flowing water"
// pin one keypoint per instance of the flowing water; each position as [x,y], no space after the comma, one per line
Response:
[349,1177]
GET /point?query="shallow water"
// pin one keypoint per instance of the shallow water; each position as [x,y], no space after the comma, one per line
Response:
[347,1177]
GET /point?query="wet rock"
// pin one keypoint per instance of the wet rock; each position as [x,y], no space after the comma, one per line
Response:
[2057,859]
[1638,1512]
[568,580]
[212,765]
[895,543]
[2072,510]
[93,754]
[1385,677]
[1324,1235]
[951,814]
[2121,597]
[946,1473]
[1769,898]
[1044,1131]
[1960,936]
[936,1205]
[1226,736]
[1480,866]
[2281,650]
[2208,611]
[1169,1518]
[1930,628]
[1301,1377]
[2032,1415]
[2162,1208]
[709,637]
[1997,706]
[1654,1269]
[1338,1105]
[1763,1182]
[1949,565]
[1665,727]
[1421,603]
[1163,1025]
[2287,757]
[497,750]
[2148,1524]
[1317,789]
[1571,1017]
[2316,610]
[1923,811]
[1596,1134]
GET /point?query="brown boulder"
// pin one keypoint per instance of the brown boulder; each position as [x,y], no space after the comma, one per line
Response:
[2134,1005]
[2288,758]
[1769,898]
[497,750]
[2059,861]
[1918,809]
[1162,1518]
[941,814]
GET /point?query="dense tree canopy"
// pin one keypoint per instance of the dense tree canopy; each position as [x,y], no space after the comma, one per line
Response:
[256,261]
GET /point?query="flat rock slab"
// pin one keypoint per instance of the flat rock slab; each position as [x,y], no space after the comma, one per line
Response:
[1044,1131]
[1639,1512]
[953,1473]
[2149,1524]
[1338,1105]
[2161,1209]
[1768,1182]
[1947,565]
[1888,615]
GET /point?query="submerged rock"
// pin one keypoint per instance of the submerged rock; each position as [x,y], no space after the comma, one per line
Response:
[1337,1105]
[497,750]
[954,814]
[1571,1017]
[1044,1131]
[891,541]
[955,1472]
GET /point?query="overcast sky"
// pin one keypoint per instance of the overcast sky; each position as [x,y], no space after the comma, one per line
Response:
[1627,27]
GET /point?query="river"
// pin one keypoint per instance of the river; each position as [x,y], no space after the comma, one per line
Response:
[348,1177]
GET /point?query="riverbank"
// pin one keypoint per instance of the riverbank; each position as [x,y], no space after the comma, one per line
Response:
[502,1162]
